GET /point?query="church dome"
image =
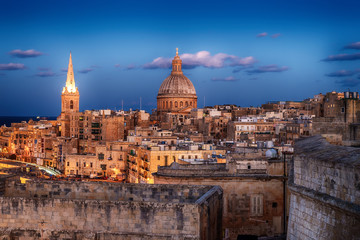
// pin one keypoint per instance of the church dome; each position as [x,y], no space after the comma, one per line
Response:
[177,83]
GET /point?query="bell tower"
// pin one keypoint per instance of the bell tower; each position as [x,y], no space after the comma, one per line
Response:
[70,95]
[69,101]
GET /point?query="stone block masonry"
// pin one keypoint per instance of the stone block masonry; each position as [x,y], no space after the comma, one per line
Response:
[80,210]
[325,191]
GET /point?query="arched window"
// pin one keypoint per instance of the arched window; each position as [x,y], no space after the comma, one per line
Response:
[166,104]
[176,105]
[190,103]
[71,104]
[163,104]
[186,103]
[181,104]
[170,104]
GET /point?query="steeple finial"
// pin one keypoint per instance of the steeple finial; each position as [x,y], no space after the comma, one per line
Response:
[70,81]
[177,52]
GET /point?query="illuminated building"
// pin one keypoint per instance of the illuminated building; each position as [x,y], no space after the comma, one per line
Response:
[177,94]
[69,101]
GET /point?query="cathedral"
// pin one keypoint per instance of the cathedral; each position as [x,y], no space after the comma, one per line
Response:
[177,94]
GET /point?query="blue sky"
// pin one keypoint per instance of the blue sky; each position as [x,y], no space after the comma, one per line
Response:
[236,52]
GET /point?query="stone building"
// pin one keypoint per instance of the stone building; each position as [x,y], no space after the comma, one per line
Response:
[325,191]
[253,191]
[340,120]
[177,94]
[108,161]
[144,160]
[102,211]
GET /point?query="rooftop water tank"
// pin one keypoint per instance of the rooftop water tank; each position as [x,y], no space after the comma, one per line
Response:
[271,153]
[269,144]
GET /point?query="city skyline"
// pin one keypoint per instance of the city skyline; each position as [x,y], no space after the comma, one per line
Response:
[237,53]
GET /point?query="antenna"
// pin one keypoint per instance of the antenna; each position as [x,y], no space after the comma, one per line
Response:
[122,105]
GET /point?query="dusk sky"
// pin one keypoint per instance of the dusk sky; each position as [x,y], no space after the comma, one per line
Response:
[235,52]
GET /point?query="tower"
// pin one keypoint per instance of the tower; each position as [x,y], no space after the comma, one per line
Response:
[69,101]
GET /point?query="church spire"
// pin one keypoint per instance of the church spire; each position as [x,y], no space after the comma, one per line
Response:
[70,81]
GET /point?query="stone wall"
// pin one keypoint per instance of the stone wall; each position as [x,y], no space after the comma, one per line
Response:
[80,210]
[325,191]
[239,192]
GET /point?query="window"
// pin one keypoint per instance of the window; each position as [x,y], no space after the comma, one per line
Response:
[176,104]
[71,104]
[68,164]
[77,164]
[84,164]
[342,110]
[101,156]
[256,205]
[91,165]
[159,158]
[166,160]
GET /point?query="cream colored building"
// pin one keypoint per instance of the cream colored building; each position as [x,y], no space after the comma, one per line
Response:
[142,161]
[109,161]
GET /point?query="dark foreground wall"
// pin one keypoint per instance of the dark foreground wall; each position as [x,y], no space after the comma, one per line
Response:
[175,215]
[325,191]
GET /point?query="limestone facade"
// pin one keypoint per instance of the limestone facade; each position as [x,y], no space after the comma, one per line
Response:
[325,191]
[253,198]
[80,210]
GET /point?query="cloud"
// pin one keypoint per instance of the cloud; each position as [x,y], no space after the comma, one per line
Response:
[64,69]
[341,73]
[348,82]
[268,68]
[226,79]
[46,74]
[86,70]
[262,34]
[355,45]
[276,35]
[204,59]
[343,57]
[130,67]
[25,54]
[159,62]
[12,66]
[117,65]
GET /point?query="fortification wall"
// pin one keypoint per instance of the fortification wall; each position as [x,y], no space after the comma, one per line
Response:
[325,191]
[105,191]
[85,212]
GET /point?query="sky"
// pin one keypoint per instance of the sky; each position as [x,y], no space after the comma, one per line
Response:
[235,52]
